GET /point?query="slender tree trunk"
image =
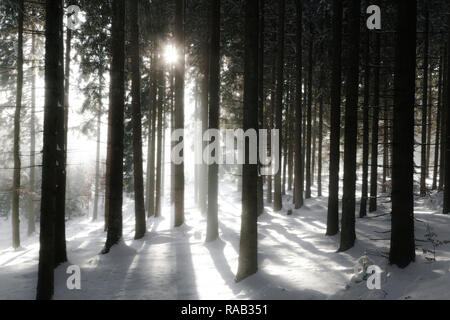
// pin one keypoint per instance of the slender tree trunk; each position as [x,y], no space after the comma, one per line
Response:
[271,126]
[335,119]
[179,109]
[203,196]
[108,166]
[365,176]
[423,169]
[348,234]
[375,126]
[443,121]
[277,201]
[212,232]
[320,134]
[97,165]
[290,120]
[402,250]
[261,96]
[172,125]
[438,127]
[430,116]
[54,100]
[138,172]
[248,259]
[309,117]
[161,98]
[385,145]
[298,162]
[117,133]
[17,165]
[32,187]
[151,138]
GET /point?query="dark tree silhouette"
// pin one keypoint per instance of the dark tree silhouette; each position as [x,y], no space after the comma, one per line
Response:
[335,119]
[54,100]
[117,121]
[138,172]
[402,250]
[348,235]
[248,259]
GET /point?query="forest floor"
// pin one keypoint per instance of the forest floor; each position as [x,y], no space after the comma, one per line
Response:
[296,259]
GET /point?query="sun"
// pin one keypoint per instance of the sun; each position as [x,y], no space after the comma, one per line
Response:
[170,54]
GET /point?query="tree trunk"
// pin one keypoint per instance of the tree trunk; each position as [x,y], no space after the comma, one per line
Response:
[365,176]
[54,100]
[271,126]
[32,187]
[348,234]
[117,133]
[375,126]
[203,196]
[320,134]
[161,98]
[138,172]
[61,160]
[151,137]
[424,169]
[212,232]
[248,259]
[179,109]
[97,165]
[98,153]
[385,145]
[438,127]
[277,201]
[402,250]
[17,165]
[309,118]
[298,162]
[261,96]
[335,119]
[443,121]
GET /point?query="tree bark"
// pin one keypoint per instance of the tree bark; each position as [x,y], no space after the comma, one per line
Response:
[117,120]
[365,176]
[402,250]
[375,127]
[348,234]
[54,100]
[437,145]
[277,201]
[335,119]
[212,232]
[161,98]
[179,109]
[298,162]
[261,96]
[248,259]
[138,172]
[17,165]
[309,118]
[424,168]
[32,186]
[151,137]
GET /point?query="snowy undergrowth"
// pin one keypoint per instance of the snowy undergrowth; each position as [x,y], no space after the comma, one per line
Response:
[296,260]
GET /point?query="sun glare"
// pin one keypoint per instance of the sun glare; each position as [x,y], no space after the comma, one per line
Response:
[170,54]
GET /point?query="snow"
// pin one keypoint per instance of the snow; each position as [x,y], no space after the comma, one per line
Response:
[296,259]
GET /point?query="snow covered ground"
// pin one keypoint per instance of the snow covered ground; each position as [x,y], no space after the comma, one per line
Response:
[296,260]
